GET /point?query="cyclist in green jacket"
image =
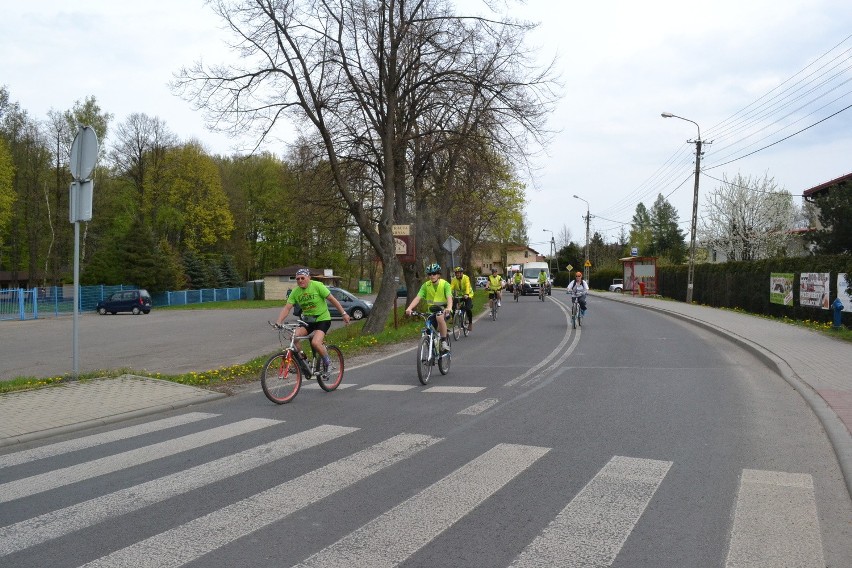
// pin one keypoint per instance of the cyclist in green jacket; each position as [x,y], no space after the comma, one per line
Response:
[311,296]
[437,293]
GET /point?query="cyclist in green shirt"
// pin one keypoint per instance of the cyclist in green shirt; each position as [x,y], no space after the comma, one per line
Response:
[437,293]
[311,296]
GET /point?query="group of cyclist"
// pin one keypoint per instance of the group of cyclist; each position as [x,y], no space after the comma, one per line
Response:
[439,294]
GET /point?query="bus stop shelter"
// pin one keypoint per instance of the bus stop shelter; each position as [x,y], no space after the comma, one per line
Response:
[640,275]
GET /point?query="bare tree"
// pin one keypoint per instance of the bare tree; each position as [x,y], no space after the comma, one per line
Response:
[366,76]
[747,219]
[139,146]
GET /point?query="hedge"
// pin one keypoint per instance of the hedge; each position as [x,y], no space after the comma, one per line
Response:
[745,285]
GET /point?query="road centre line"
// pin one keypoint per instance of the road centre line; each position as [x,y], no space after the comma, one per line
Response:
[552,354]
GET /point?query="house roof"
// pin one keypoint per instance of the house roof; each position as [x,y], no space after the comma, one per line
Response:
[840,182]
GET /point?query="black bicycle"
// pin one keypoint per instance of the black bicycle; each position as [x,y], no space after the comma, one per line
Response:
[461,320]
[282,373]
[429,351]
[576,313]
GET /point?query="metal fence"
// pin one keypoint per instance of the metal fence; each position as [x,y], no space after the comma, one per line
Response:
[56,301]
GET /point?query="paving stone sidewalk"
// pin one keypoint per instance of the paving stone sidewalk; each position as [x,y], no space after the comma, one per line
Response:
[40,413]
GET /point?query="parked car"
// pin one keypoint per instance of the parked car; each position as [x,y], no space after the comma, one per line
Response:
[617,285]
[481,281]
[354,306]
[133,301]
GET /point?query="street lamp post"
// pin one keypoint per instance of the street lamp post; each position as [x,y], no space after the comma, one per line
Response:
[585,268]
[698,143]
[552,250]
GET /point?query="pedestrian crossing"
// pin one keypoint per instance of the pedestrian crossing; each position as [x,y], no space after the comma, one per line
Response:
[774,513]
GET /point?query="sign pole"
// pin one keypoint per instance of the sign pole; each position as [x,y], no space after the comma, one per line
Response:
[84,154]
[75,346]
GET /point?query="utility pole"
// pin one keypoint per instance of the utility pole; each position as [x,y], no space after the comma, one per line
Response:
[698,143]
[691,275]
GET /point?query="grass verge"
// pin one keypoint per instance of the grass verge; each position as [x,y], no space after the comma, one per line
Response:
[348,338]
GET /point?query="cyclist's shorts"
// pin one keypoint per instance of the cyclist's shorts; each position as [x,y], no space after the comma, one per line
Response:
[322,326]
[436,309]
[492,295]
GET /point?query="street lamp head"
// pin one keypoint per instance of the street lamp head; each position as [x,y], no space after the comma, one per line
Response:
[667,115]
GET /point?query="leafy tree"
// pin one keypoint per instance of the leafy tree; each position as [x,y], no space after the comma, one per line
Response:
[363,76]
[835,213]
[191,208]
[748,219]
[141,258]
[7,193]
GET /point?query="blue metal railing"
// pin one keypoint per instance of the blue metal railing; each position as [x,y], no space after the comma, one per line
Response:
[56,301]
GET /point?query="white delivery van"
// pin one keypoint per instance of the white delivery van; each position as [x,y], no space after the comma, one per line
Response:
[531,270]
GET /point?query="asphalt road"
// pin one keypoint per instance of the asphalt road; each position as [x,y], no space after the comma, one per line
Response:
[164,341]
[639,441]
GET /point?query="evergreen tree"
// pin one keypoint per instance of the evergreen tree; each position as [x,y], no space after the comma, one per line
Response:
[141,259]
[641,235]
[668,237]
[835,213]
[230,276]
[194,270]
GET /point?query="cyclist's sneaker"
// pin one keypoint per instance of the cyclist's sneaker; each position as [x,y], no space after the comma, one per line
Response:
[499,304]
[444,345]
[583,313]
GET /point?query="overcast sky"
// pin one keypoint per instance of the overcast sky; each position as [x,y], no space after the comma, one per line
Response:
[749,72]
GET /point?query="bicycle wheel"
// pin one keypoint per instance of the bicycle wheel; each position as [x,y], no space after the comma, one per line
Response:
[424,359]
[331,379]
[444,358]
[517,293]
[281,378]
[458,322]
[465,324]
[494,310]
[573,315]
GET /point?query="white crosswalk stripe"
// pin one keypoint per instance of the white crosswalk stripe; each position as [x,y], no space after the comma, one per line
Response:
[591,530]
[396,535]
[775,523]
[60,448]
[51,480]
[205,534]
[64,521]
[775,520]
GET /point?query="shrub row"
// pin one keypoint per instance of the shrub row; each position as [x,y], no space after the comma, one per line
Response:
[745,285]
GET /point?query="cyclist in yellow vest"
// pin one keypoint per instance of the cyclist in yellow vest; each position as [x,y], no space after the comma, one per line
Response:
[495,288]
[460,286]
[437,293]
[518,282]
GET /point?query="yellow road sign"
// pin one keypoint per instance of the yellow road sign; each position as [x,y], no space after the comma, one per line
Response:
[588,264]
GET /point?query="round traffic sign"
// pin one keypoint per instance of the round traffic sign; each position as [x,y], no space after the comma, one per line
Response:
[84,153]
